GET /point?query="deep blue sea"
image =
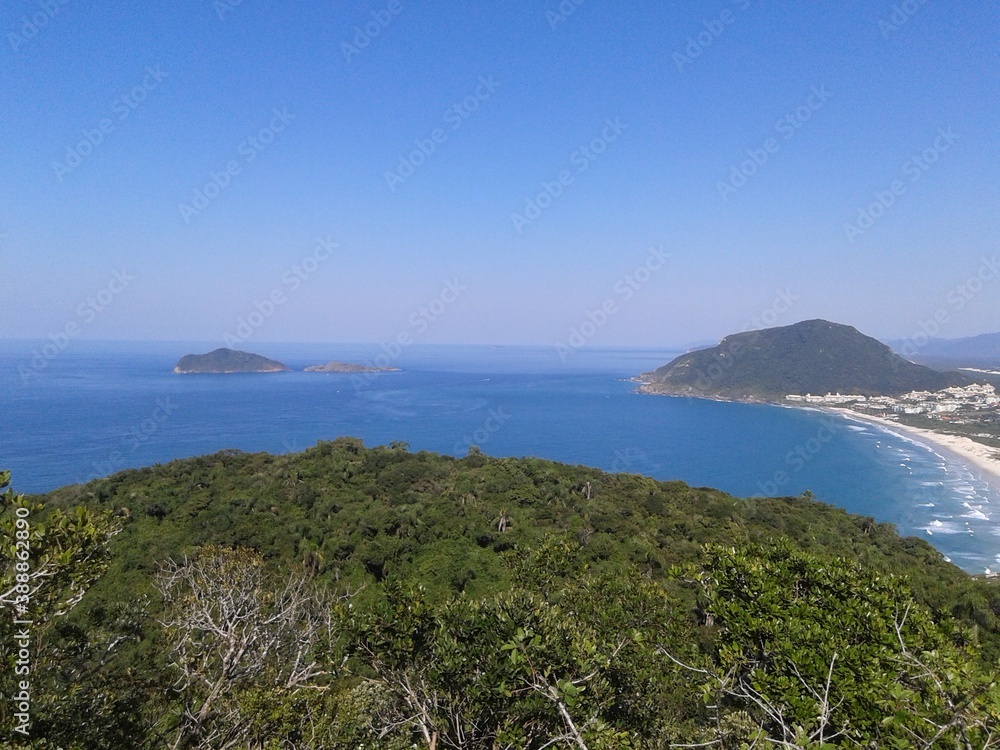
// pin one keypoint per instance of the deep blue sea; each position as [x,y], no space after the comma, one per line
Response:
[98,407]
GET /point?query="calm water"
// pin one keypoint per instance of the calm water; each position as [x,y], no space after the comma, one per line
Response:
[98,407]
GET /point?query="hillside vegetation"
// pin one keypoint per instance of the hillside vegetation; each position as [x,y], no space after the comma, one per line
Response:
[347,597]
[220,361]
[814,356]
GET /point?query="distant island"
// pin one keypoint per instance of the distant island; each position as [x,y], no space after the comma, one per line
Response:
[811,357]
[349,367]
[226,361]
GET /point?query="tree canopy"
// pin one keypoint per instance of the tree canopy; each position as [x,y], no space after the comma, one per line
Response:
[348,597]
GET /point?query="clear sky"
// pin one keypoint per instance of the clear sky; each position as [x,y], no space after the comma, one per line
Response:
[497,172]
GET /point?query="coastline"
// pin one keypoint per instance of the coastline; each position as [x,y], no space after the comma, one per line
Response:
[977,455]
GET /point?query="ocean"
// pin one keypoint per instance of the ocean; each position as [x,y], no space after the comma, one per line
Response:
[94,408]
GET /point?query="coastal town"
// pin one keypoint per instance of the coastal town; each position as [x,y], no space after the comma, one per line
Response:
[969,405]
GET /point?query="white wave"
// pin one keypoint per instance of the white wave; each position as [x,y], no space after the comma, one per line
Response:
[938,527]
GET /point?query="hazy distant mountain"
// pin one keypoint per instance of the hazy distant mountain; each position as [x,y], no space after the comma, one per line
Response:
[227,361]
[815,356]
[695,345]
[974,351]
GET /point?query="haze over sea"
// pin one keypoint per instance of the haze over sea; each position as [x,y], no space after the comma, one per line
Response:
[100,407]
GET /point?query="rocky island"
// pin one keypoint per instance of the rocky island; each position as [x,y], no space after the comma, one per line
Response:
[226,361]
[349,368]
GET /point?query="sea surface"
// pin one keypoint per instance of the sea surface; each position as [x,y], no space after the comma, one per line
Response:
[94,408]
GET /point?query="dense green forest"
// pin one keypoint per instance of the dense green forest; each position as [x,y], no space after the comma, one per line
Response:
[814,356]
[347,597]
[227,360]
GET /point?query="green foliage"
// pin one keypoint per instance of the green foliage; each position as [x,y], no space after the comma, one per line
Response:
[227,360]
[338,719]
[85,694]
[498,603]
[822,653]
[814,356]
[365,515]
[49,561]
[240,639]
[523,669]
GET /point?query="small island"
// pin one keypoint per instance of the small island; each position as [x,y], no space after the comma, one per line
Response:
[349,367]
[227,361]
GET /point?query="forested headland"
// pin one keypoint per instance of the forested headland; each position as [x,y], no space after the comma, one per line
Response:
[352,597]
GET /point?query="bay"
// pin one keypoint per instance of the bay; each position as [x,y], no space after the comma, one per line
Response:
[99,407]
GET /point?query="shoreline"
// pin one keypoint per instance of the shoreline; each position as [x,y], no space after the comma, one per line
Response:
[982,459]
[973,454]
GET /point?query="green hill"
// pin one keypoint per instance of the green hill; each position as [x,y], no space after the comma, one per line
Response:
[814,356]
[386,513]
[220,361]
[347,597]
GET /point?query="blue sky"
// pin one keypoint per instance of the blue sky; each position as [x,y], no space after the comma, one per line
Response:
[497,172]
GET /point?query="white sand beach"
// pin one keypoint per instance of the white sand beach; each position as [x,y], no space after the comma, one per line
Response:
[982,457]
